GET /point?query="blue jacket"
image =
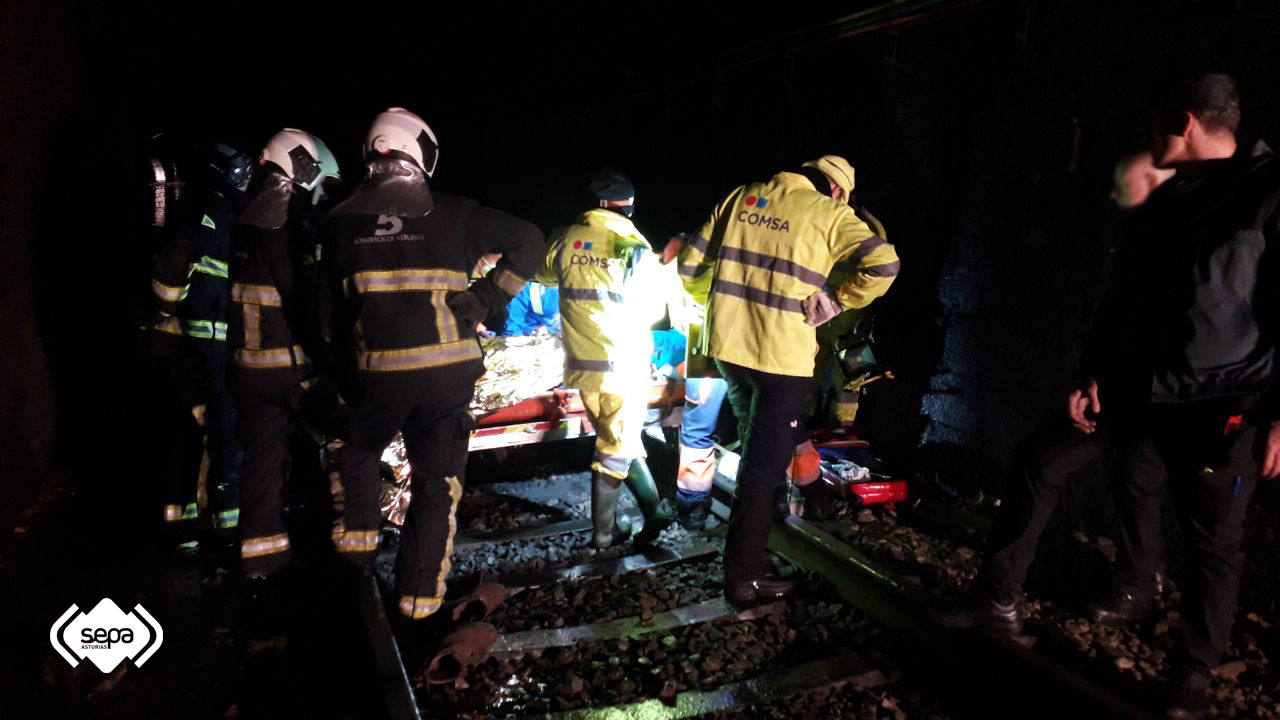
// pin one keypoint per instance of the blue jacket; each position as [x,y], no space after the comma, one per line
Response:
[536,306]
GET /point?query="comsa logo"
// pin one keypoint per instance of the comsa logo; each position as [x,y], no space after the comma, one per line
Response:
[769,222]
[106,635]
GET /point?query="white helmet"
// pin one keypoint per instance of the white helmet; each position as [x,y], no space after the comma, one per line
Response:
[303,157]
[399,129]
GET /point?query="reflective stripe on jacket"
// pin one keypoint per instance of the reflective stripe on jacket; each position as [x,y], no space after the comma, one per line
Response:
[766,248]
[612,289]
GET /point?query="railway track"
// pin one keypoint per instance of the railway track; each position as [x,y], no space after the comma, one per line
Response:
[625,633]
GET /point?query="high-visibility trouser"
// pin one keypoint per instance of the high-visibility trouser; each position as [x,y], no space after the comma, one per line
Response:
[266,421]
[805,465]
[703,400]
[202,329]
[618,422]
[437,429]
[222,446]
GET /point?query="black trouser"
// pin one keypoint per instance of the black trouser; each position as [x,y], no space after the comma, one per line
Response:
[220,430]
[436,424]
[267,420]
[174,442]
[769,409]
[1212,476]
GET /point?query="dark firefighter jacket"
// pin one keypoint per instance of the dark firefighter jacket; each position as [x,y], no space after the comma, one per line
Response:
[1190,310]
[397,258]
[274,325]
[190,275]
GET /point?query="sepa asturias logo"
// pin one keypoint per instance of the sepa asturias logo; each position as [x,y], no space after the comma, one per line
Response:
[106,635]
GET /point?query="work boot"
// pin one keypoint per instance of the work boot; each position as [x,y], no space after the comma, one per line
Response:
[609,526]
[982,610]
[1120,608]
[765,588]
[657,511]
[691,510]
[1188,694]
[817,500]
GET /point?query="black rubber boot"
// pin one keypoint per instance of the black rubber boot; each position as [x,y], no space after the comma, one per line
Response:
[656,510]
[981,610]
[1120,608]
[692,513]
[1188,694]
[609,526]
[817,500]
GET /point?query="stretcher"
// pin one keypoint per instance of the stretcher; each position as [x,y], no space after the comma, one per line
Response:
[557,415]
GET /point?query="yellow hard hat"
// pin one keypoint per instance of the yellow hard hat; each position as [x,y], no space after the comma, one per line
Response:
[838,169]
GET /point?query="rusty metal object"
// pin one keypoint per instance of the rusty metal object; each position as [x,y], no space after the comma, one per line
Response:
[461,649]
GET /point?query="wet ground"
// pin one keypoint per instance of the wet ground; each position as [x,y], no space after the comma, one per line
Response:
[649,631]
[939,550]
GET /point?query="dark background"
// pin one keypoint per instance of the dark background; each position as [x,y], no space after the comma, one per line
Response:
[983,133]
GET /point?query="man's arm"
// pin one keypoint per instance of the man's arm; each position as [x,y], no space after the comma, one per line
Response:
[696,260]
[171,270]
[548,273]
[1268,303]
[873,263]
[491,231]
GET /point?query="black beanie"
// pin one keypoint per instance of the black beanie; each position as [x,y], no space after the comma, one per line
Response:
[610,185]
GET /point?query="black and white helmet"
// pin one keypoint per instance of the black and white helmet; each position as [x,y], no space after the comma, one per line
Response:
[302,156]
[397,129]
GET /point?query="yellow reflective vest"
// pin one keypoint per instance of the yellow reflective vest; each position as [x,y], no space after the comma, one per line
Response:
[612,290]
[766,248]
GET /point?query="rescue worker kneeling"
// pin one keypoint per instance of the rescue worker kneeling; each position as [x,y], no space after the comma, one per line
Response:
[397,255]
[611,292]
[760,264]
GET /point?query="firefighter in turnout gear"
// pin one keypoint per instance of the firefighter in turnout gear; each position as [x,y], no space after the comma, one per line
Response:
[837,355]
[760,264]
[397,255]
[189,281]
[612,290]
[274,332]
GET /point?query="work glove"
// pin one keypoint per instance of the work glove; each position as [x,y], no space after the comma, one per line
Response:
[821,307]
[468,308]
[673,248]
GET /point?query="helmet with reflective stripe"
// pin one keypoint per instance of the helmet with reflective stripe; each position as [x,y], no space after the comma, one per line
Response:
[838,169]
[399,130]
[303,157]
[231,166]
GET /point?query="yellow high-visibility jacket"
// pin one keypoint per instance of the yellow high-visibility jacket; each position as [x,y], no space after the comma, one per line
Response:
[766,248]
[612,290]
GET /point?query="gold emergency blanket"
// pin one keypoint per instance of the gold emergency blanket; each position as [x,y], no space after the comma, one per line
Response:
[517,367]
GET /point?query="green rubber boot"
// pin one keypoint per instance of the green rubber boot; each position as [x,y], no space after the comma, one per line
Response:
[609,527]
[656,510]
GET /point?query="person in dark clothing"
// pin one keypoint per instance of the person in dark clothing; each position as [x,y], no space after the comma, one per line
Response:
[190,288]
[275,333]
[397,256]
[1178,376]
